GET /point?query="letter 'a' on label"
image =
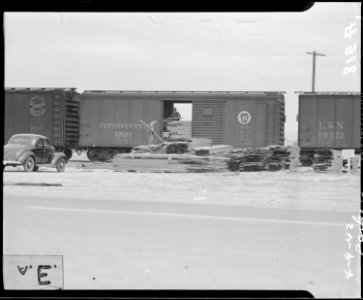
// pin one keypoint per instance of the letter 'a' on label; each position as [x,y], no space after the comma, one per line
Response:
[33,272]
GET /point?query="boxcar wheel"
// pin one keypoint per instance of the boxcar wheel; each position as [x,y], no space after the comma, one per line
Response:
[92,155]
[29,164]
[68,153]
[61,165]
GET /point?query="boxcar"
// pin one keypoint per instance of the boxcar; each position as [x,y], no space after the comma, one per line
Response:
[329,120]
[52,112]
[113,121]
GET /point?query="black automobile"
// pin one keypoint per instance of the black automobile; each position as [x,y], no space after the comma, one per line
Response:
[32,151]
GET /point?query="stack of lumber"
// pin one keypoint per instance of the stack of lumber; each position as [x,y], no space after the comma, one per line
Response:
[271,158]
[279,158]
[218,150]
[168,163]
[177,145]
[323,160]
[166,147]
[253,160]
[199,142]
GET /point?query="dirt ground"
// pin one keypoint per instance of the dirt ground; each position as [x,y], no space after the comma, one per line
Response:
[303,190]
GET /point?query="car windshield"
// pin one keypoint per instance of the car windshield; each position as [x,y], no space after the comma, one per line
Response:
[20,140]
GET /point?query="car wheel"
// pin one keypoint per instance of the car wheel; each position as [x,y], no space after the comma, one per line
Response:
[29,164]
[36,168]
[61,165]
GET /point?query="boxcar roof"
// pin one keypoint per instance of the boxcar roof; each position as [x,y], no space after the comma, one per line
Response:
[38,89]
[328,93]
[181,92]
[182,96]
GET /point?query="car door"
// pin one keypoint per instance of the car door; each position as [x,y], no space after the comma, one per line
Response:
[47,152]
[39,151]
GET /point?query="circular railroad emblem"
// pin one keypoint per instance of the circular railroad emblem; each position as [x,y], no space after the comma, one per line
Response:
[244,117]
[36,106]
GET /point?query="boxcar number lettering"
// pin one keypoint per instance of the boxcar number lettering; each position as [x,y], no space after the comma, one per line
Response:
[245,135]
[330,135]
[36,129]
[122,137]
[329,130]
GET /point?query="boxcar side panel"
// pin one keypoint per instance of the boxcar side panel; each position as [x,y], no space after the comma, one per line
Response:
[114,122]
[343,125]
[246,116]
[29,113]
[230,123]
[356,121]
[308,110]
[137,132]
[260,136]
[329,121]
[326,122]
[251,122]
[89,122]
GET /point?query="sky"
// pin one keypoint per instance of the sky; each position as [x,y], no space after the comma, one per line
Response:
[187,51]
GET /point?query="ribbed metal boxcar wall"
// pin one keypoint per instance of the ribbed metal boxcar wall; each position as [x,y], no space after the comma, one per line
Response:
[70,109]
[208,118]
[113,120]
[254,121]
[329,121]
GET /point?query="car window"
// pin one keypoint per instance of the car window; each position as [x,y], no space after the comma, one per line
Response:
[40,143]
[20,140]
[46,143]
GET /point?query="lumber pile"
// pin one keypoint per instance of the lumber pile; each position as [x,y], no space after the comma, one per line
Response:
[177,145]
[323,160]
[166,147]
[272,158]
[218,150]
[279,159]
[168,163]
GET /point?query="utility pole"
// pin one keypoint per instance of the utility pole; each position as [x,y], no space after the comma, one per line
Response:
[314,54]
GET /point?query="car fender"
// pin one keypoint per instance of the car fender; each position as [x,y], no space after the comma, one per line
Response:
[22,158]
[56,157]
